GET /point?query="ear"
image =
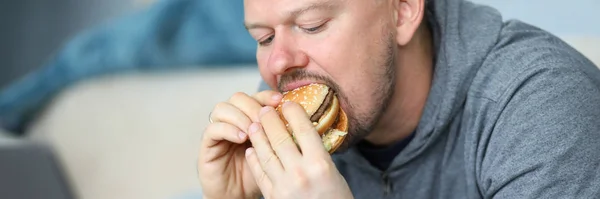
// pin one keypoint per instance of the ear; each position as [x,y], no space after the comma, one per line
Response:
[408,15]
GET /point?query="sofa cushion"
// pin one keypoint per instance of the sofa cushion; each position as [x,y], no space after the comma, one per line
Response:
[137,136]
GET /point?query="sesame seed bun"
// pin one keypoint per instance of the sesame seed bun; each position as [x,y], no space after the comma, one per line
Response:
[322,106]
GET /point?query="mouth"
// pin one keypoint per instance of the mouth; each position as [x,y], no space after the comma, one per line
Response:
[296,84]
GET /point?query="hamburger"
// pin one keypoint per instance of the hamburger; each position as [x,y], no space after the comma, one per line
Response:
[323,108]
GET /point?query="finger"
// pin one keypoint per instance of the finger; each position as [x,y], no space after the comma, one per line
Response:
[217,132]
[228,113]
[279,137]
[304,131]
[251,105]
[217,139]
[264,183]
[268,97]
[269,161]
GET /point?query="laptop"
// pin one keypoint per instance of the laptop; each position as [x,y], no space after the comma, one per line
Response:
[30,171]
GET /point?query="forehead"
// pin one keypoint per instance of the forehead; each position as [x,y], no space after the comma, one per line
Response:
[260,9]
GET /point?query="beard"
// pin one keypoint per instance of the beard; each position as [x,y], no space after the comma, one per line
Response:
[361,124]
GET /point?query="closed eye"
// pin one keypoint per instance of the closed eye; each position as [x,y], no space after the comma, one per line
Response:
[266,41]
[315,29]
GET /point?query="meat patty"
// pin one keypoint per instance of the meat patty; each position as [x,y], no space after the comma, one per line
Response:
[326,103]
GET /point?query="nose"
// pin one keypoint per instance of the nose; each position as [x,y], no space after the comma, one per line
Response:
[286,55]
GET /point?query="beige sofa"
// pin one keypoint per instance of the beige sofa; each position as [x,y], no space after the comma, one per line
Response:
[136,136]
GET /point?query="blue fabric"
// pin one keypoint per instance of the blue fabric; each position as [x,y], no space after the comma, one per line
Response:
[171,34]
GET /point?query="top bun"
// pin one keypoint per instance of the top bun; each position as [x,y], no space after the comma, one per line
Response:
[310,97]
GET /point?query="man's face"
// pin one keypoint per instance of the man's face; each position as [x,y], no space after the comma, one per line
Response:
[348,45]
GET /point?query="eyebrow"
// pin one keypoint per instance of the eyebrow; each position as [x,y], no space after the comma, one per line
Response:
[322,5]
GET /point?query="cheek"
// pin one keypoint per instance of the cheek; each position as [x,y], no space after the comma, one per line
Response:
[354,75]
[361,92]
[262,59]
[349,59]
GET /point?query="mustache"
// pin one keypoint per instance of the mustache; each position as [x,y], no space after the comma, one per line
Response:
[298,75]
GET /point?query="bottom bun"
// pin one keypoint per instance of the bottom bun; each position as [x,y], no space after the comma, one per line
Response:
[334,138]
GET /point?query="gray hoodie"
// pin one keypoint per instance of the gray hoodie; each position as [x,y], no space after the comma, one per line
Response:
[513,112]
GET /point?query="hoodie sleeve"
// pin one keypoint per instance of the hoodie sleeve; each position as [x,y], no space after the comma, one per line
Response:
[546,142]
[170,34]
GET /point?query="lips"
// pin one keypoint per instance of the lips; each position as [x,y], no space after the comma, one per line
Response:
[297,84]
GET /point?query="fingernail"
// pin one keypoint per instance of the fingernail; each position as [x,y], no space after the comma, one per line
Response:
[277,97]
[249,151]
[242,135]
[253,128]
[264,110]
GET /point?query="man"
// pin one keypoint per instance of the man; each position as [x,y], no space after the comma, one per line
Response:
[445,100]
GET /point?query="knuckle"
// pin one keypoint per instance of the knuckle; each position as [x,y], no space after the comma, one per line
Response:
[320,168]
[270,115]
[279,140]
[270,112]
[219,131]
[219,106]
[215,128]
[304,129]
[226,112]
[286,193]
[272,196]
[263,94]
[301,181]
[210,130]
[262,178]
[272,157]
[238,96]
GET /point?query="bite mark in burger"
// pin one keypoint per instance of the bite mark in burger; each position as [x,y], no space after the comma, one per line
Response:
[323,108]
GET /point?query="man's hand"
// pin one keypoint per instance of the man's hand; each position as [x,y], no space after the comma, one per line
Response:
[285,170]
[223,170]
